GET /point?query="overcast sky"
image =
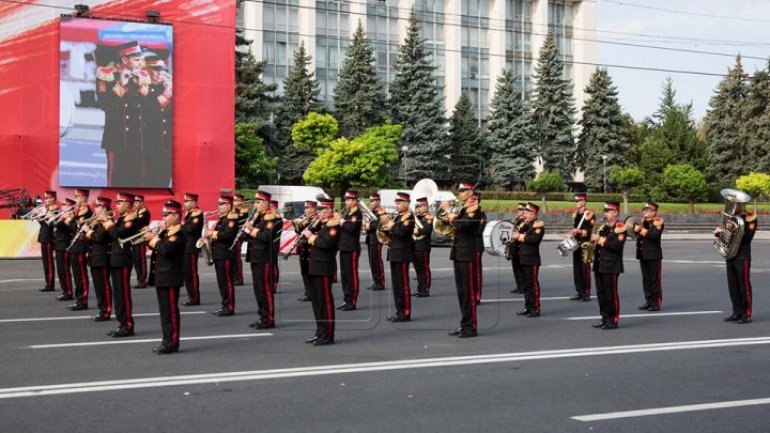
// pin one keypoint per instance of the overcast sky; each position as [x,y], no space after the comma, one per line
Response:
[639,91]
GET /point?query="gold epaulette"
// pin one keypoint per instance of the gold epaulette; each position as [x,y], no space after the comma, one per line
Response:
[429,217]
[195,212]
[405,216]
[233,215]
[130,216]
[332,222]
[270,216]
[588,215]
[53,207]
[105,73]
[658,222]
[751,216]
[574,214]
[538,224]
[620,228]
[174,230]
[380,211]
[471,209]
[83,210]
[243,210]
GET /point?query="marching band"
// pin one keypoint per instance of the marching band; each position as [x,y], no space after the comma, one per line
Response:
[112,242]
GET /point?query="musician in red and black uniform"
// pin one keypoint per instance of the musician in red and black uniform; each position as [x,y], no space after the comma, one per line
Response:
[79,249]
[608,265]
[400,254]
[243,212]
[479,247]
[528,237]
[276,243]
[581,272]
[303,249]
[422,247]
[121,263]
[46,239]
[62,238]
[351,220]
[224,257]
[463,253]
[100,259]
[739,269]
[169,243]
[192,229]
[143,219]
[374,246]
[512,250]
[262,229]
[322,266]
[650,256]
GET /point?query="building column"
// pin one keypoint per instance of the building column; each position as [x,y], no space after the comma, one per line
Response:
[453,56]
[496,43]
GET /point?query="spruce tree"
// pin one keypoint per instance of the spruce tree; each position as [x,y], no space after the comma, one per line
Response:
[416,104]
[300,98]
[755,126]
[358,99]
[723,125]
[554,111]
[603,131]
[512,150]
[467,144]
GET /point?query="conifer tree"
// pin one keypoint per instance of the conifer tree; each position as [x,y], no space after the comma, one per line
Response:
[756,113]
[467,144]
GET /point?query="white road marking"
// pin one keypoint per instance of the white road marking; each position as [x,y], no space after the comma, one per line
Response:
[672,409]
[651,314]
[146,340]
[50,319]
[16,280]
[552,298]
[396,365]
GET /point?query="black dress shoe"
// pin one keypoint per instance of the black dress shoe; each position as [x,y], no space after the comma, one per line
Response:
[732,318]
[264,325]
[743,320]
[646,306]
[456,332]
[577,297]
[533,314]
[140,286]
[190,303]
[654,308]
[516,290]
[122,332]
[304,298]
[598,324]
[312,339]
[587,298]
[609,325]
[322,342]
[64,298]
[222,313]
[158,348]
[47,289]
[523,312]
[101,318]
[78,307]
[111,332]
[423,295]
[253,324]
[467,333]
[377,288]
[390,318]
[348,307]
[400,318]
[166,350]
[342,305]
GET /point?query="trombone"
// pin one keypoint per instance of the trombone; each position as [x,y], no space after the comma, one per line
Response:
[56,217]
[87,225]
[32,215]
[138,238]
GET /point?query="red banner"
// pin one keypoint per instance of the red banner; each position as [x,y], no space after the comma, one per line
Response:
[203,144]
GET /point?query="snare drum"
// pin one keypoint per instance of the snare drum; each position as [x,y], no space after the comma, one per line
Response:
[496,235]
[567,246]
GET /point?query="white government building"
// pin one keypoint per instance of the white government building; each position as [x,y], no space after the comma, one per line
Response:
[471,40]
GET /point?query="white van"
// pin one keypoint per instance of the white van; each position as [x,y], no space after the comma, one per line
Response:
[294,196]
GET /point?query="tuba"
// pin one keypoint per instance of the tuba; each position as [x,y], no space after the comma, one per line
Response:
[728,242]
[423,188]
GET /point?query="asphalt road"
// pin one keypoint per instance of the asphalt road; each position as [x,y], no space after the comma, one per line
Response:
[555,373]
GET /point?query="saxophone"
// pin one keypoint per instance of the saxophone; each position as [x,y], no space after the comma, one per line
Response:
[588,248]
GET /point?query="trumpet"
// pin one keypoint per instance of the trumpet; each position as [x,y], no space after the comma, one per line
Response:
[32,215]
[369,214]
[56,217]
[87,225]
[204,244]
[138,238]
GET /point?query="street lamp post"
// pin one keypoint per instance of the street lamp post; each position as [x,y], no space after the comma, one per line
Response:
[604,171]
[404,149]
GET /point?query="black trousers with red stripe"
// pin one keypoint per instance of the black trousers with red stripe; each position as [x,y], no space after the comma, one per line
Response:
[652,281]
[102,289]
[191,278]
[518,277]
[422,269]
[739,284]
[49,269]
[466,294]
[349,275]
[402,296]
[237,268]
[323,305]
[276,277]
[376,266]
[80,275]
[139,256]
[262,280]
[477,275]
[531,275]
[168,304]
[607,295]
[581,274]
[63,270]
[304,266]
[224,270]
[121,285]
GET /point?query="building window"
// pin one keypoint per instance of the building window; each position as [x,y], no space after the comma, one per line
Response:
[332,39]
[280,38]
[475,54]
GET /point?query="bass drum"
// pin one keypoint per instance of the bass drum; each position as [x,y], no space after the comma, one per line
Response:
[496,235]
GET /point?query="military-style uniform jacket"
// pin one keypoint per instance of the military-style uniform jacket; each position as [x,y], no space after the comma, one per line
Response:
[426,232]
[81,214]
[62,235]
[266,233]
[401,241]
[222,238]
[608,258]
[528,240]
[466,226]
[323,249]
[350,231]
[648,240]
[750,227]
[100,246]
[587,227]
[169,262]
[157,115]
[46,234]
[479,241]
[122,107]
[371,228]
[512,247]
[143,218]
[192,228]
[125,227]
